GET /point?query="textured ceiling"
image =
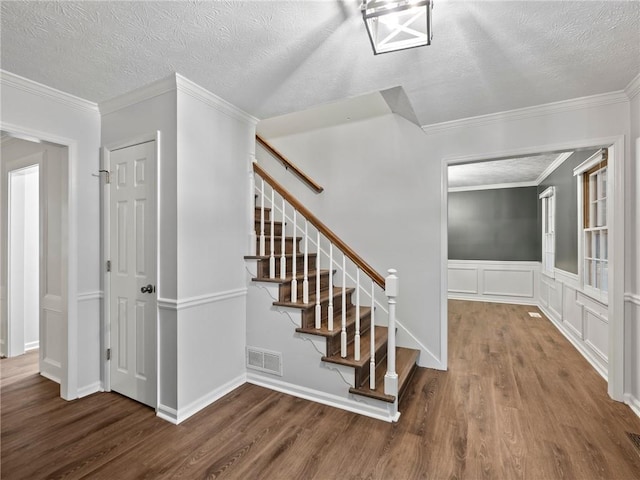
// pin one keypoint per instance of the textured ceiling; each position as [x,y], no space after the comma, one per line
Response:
[276,57]
[498,172]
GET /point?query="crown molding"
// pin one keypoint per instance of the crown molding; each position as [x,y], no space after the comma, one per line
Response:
[496,186]
[552,167]
[8,79]
[610,98]
[194,90]
[175,82]
[633,88]
[138,95]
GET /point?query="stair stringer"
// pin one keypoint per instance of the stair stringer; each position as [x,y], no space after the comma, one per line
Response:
[305,375]
[408,340]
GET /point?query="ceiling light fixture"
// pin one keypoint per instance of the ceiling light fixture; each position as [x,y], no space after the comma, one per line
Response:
[395,25]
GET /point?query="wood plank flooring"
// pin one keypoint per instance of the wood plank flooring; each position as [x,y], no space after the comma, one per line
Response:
[517,402]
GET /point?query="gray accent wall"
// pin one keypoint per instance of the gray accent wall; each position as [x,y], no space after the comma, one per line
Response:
[499,224]
[566,210]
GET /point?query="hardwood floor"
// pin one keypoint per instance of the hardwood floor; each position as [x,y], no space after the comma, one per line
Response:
[517,402]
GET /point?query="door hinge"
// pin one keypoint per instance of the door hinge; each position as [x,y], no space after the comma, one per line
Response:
[108,265]
[108,354]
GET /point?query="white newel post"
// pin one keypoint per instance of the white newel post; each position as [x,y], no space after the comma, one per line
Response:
[391,377]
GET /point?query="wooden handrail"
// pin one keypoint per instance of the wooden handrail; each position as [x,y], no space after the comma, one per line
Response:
[289,165]
[326,231]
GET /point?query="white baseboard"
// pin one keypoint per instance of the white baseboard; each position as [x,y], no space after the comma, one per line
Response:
[167,413]
[31,346]
[89,389]
[509,300]
[567,334]
[178,416]
[633,402]
[382,412]
[53,378]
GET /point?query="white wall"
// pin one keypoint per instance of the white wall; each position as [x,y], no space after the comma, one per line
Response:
[379,201]
[215,145]
[632,297]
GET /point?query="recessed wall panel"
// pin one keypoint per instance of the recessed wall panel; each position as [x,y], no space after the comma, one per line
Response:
[123,337]
[140,212]
[141,331]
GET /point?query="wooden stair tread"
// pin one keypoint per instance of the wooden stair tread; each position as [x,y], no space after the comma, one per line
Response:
[324,296]
[288,278]
[405,367]
[324,331]
[365,339]
[288,256]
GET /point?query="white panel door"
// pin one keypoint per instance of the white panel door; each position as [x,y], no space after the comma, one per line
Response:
[53,258]
[133,272]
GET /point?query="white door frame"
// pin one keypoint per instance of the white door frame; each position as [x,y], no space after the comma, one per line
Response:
[106,249]
[615,367]
[69,380]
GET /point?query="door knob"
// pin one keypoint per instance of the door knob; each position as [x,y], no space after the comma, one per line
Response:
[148,289]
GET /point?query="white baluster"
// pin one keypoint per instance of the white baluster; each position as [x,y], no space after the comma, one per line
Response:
[305,278]
[356,341]
[294,270]
[330,307]
[343,334]
[372,330]
[318,306]
[391,377]
[283,257]
[252,212]
[262,240]
[272,255]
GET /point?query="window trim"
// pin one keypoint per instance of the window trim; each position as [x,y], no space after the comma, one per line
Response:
[595,162]
[548,195]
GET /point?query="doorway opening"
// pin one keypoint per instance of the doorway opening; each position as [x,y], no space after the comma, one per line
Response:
[555,291]
[34,238]
[23,281]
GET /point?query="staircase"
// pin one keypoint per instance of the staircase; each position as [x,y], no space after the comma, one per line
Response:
[331,303]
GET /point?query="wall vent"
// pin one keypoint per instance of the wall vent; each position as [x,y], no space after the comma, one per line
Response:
[264,360]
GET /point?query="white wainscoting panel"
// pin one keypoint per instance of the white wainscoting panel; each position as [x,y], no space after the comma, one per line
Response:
[632,352]
[489,281]
[580,318]
[463,279]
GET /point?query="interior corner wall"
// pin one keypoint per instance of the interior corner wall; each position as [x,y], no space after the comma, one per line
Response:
[566,210]
[214,153]
[36,112]
[382,197]
[143,118]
